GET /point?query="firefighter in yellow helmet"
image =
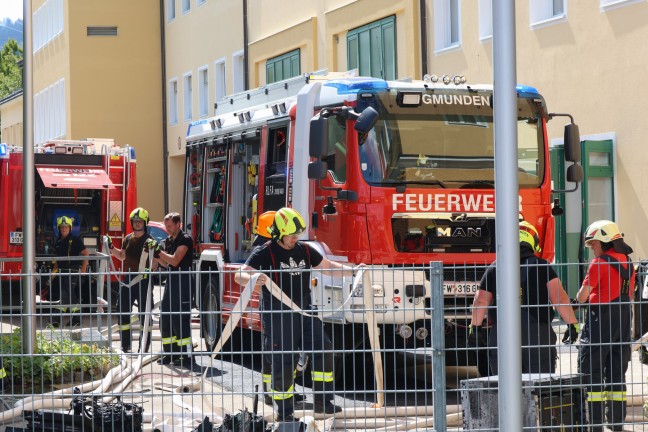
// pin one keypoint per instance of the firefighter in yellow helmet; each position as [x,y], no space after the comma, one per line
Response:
[134,254]
[604,350]
[540,292]
[66,280]
[286,261]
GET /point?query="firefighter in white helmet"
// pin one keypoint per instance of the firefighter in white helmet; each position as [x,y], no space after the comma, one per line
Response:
[604,350]
[286,261]
[540,292]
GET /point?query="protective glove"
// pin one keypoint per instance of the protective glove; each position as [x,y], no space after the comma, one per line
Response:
[151,244]
[110,243]
[476,337]
[571,335]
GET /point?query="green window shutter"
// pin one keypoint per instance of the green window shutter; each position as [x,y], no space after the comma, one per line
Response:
[283,66]
[352,52]
[372,49]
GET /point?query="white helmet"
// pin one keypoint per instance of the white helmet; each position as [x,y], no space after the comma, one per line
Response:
[604,231]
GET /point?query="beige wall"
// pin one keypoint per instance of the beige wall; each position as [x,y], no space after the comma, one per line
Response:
[11,115]
[116,85]
[113,84]
[318,28]
[592,65]
[205,34]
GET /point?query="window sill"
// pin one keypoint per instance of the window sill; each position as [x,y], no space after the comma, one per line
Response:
[610,5]
[453,47]
[485,39]
[548,22]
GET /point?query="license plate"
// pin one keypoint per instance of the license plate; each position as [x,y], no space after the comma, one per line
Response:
[461,288]
[16,237]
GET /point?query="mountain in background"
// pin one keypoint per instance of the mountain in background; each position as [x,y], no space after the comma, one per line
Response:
[11,29]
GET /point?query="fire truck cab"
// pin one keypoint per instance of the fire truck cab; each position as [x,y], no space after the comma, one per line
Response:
[91,181]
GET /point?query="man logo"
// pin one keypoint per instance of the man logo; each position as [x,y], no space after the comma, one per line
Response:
[459,232]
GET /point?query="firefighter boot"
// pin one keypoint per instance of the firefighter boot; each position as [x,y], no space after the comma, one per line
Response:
[168,344]
[615,414]
[323,399]
[596,410]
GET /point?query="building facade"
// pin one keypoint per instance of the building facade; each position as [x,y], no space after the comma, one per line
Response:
[97,73]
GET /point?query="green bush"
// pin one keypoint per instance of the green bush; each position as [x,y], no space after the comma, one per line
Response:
[54,362]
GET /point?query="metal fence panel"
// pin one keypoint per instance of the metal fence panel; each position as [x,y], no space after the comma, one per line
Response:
[432,373]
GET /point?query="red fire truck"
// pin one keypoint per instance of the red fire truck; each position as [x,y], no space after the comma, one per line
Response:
[402,174]
[93,181]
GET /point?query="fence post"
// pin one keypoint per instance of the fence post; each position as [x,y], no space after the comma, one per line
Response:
[438,345]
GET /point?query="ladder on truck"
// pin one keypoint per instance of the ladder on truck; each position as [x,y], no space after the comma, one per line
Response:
[272,95]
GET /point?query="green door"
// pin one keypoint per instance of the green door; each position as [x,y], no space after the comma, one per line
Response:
[593,201]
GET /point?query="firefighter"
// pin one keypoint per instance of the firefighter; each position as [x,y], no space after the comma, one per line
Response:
[604,350]
[134,254]
[263,230]
[65,280]
[175,311]
[4,382]
[540,288]
[284,329]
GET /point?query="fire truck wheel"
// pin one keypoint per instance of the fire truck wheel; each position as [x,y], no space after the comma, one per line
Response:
[211,324]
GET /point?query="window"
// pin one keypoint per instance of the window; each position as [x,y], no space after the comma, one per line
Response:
[200,2]
[543,11]
[171,9]
[173,101]
[186,6]
[203,91]
[238,72]
[283,66]
[485,19]
[187,92]
[48,23]
[372,49]
[447,24]
[220,87]
[49,113]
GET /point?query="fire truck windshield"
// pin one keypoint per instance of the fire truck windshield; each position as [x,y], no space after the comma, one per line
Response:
[446,142]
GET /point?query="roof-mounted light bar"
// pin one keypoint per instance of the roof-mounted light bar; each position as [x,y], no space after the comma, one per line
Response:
[445,79]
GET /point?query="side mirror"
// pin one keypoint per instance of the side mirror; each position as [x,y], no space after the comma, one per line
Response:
[572,143]
[317,170]
[318,140]
[347,195]
[575,173]
[366,120]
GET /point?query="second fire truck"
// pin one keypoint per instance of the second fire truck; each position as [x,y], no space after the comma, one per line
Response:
[92,181]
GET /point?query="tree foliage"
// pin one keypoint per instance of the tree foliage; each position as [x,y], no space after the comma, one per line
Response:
[10,72]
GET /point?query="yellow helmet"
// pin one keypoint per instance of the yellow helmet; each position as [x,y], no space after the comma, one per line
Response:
[604,231]
[529,235]
[64,220]
[264,224]
[139,214]
[287,221]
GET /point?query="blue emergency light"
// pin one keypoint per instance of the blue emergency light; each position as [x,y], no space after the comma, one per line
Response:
[3,149]
[353,86]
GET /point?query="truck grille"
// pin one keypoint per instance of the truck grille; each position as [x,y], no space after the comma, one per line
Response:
[447,233]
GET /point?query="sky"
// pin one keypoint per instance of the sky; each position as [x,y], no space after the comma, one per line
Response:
[11,9]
